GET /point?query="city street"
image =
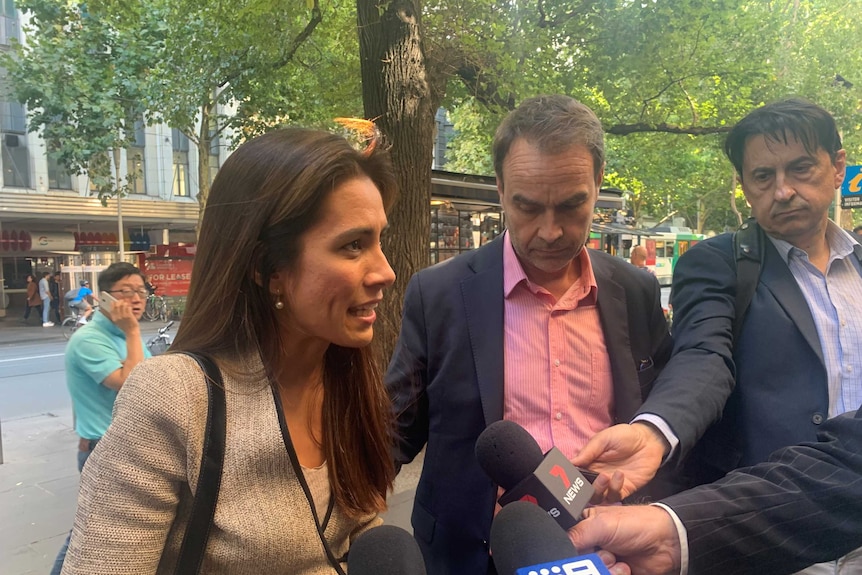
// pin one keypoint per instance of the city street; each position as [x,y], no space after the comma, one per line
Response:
[32,378]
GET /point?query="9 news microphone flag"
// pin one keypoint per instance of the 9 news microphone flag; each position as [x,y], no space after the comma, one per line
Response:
[526,541]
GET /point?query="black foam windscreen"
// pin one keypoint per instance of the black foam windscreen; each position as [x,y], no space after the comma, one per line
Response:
[385,550]
[523,534]
[507,453]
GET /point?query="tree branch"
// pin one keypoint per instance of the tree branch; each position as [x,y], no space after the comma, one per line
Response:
[640,127]
[553,23]
[299,40]
[484,90]
[287,56]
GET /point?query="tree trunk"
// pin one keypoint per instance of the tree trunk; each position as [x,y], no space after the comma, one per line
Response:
[203,145]
[396,94]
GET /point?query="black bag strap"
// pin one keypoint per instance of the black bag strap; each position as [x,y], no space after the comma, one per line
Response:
[209,478]
[748,252]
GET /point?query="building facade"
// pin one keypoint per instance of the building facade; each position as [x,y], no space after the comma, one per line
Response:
[51,220]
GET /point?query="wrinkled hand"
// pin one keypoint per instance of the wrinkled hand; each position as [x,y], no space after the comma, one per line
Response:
[626,456]
[122,316]
[610,561]
[642,537]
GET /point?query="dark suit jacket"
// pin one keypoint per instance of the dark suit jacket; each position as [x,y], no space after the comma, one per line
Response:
[803,506]
[781,396]
[446,381]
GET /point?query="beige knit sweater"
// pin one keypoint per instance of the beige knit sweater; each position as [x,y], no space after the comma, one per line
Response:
[135,493]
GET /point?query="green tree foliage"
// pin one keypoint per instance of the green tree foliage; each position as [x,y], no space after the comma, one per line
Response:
[86,105]
[88,71]
[668,79]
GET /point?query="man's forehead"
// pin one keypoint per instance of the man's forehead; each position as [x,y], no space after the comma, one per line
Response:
[130,279]
[780,144]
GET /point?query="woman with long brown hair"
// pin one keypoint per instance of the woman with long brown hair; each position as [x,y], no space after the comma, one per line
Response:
[287,277]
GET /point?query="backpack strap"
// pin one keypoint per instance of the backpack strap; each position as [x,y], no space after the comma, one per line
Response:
[209,478]
[748,250]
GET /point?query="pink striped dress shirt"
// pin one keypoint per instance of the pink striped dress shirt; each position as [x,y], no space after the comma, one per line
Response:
[558,382]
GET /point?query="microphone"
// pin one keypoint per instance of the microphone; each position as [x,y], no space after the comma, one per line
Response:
[526,541]
[513,460]
[385,550]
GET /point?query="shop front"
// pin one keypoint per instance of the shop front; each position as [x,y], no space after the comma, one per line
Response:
[77,256]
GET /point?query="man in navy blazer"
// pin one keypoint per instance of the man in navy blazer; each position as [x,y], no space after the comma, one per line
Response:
[447,376]
[802,506]
[797,359]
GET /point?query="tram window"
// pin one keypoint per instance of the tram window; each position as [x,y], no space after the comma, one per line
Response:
[682,246]
[659,249]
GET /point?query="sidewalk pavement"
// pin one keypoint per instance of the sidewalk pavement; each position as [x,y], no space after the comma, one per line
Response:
[15,330]
[39,478]
[38,491]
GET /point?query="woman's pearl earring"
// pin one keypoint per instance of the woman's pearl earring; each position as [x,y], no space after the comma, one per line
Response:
[278,303]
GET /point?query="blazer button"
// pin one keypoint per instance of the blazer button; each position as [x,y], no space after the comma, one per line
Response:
[817,418]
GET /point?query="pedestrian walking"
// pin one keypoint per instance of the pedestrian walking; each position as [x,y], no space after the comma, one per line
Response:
[54,286]
[45,297]
[33,299]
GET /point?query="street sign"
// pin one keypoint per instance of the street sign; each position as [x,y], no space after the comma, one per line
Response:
[851,189]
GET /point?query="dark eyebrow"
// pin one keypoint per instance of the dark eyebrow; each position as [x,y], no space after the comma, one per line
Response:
[571,200]
[522,200]
[574,199]
[361,231]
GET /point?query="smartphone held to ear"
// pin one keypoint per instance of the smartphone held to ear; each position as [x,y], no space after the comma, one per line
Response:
[106,301]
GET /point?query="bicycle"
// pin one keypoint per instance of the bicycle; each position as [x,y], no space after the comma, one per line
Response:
[71,323]
[156,308]
[159,343]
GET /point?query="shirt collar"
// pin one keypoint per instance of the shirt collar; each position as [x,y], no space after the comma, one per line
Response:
[514,274]
[513,271]
[840,243]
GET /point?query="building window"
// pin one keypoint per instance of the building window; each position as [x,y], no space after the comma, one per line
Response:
[181,163]
[215,143]
[9,25]
[135,163]
[13,141]
[58,177]
[445,132]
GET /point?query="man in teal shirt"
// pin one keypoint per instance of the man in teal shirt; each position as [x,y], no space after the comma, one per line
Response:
[100,356]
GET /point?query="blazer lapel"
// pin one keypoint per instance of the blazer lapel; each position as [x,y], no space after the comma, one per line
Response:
[776,276]
[611,299]
[482,294]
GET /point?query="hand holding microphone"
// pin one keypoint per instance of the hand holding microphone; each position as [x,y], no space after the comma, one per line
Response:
[511,458]
[526,541]
[644,536]
[639,448]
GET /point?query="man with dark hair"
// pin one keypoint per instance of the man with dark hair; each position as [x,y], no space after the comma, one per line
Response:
[534,328]
[99,357]
[56,296]
[858,231]
[796,358]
